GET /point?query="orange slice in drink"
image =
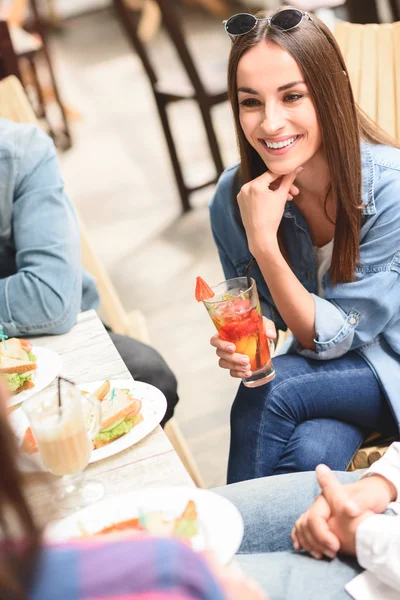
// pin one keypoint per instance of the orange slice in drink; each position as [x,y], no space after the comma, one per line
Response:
[203,290]
[247,346]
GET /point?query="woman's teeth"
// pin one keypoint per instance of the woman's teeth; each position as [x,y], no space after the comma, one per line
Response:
[283,144]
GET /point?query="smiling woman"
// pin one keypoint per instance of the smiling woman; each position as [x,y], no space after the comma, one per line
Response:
[315,202]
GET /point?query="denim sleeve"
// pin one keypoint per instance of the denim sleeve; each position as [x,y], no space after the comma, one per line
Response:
[360,312]
[44,295]
[354,314]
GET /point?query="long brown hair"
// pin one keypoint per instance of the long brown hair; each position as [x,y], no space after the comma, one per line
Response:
[342,125]
[17,556]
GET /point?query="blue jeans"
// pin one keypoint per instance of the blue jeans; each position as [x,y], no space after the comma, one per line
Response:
[270,508]
[312,412]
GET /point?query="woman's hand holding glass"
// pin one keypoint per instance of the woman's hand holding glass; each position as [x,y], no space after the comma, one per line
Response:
[238,364]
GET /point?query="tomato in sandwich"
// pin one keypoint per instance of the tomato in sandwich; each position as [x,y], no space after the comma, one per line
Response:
[26,345]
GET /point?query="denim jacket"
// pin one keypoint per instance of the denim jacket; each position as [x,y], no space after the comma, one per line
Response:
[42,285]
[363,315]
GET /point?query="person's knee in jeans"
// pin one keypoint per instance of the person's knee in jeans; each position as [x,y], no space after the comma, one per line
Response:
[317,441]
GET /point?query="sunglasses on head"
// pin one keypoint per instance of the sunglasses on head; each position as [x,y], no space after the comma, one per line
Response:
[243,23]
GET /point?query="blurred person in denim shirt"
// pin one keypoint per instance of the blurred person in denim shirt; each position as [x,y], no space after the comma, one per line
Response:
[43,286]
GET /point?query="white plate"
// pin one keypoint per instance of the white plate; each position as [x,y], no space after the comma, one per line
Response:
[153,409]
[221,525]
[48,367]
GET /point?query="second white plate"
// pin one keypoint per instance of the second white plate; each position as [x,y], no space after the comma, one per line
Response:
[221,525]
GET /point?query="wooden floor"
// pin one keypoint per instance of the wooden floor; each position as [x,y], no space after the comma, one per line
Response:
[119,174]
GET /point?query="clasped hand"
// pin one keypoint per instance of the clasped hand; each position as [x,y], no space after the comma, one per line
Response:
[329,526]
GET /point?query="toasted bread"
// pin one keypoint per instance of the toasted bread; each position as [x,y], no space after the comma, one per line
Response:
[118,405]
[15,365]
[12,348]
[103,390]
[25,386]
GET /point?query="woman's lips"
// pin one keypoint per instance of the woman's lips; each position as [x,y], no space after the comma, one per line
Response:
[280,151]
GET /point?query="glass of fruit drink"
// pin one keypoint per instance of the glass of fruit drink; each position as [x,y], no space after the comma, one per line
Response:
[236,313]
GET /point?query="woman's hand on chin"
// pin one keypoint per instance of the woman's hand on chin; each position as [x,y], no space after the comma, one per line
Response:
[261,203]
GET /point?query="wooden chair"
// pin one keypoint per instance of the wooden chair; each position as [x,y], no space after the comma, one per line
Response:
[32,52]
[206,89]
[150,18]
[218,8]
[367,10]
[372,56]
[15,106]
[8,59]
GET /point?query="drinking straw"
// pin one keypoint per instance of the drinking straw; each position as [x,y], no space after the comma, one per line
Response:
[248,273]
[59,379]
[3,337]
[113,394]
[59,396]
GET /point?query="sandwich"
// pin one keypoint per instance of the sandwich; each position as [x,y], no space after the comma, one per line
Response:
[17,364]
[120,412]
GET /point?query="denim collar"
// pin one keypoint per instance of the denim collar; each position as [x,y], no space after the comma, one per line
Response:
[367,180]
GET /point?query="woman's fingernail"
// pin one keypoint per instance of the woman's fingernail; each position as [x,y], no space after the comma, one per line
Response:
[316,555]
[299,170]
[329,554]
[271,333]
[231,348]
[245,361]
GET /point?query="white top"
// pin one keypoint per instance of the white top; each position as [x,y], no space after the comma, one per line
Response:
[323,257]
[378,541]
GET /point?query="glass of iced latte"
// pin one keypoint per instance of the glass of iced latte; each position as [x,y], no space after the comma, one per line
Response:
[63,423]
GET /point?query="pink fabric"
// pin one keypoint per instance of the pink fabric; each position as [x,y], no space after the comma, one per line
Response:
[164,595]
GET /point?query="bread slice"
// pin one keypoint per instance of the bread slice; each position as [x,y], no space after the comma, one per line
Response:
[118,405]
[12,349]
[117,408]
[15,365]
[103,390]
[25,386]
